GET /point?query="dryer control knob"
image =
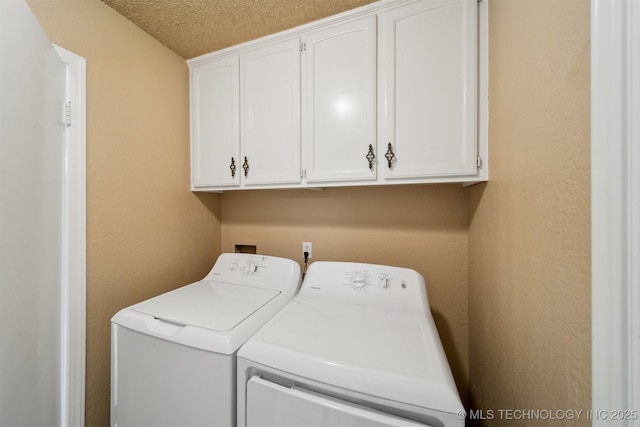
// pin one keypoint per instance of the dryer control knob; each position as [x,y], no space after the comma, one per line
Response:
[359,282]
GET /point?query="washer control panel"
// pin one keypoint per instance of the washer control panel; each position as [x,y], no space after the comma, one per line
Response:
[376,285]
[260,271]
[249,265]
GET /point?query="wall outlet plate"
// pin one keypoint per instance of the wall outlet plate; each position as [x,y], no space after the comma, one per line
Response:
[307,247]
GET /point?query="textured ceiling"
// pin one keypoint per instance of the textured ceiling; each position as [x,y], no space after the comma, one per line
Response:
[195,27]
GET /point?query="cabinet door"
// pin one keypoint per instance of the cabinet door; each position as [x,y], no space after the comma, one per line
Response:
[428,84]
[339,92]
[215,143]
[270,91]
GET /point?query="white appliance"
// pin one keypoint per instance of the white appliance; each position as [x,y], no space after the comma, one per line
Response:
[173,357]
[356,347]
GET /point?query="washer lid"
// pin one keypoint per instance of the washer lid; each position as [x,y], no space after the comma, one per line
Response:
[207,304]
[391,354]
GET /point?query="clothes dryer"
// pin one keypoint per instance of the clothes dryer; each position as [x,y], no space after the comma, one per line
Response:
[173,357]
[356,347]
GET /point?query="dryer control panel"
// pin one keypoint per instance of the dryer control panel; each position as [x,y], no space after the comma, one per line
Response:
[367,284]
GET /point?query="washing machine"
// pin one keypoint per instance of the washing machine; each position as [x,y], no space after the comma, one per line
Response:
[356,347]
[173,357]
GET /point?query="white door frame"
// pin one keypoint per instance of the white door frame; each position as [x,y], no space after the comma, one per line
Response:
[615,208]
[74,244]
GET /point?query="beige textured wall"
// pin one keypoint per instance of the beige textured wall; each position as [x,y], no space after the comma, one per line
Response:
[529,229]
[506,263]
[146,232]
[421,227]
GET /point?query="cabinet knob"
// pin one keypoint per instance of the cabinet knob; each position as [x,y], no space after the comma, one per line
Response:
[245,166]
[389,155]
[370,157]
[232,166]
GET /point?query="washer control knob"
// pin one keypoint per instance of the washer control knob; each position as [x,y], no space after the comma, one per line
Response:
[384,282]
[251,267]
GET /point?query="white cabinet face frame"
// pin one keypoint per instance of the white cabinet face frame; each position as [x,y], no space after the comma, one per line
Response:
[215,129]
[339,101]
[270,115]
[428,89]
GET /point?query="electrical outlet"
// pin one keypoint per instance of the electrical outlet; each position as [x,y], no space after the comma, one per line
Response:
[306,247]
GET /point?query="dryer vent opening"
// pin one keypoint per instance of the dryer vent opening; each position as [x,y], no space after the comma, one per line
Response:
[245,249]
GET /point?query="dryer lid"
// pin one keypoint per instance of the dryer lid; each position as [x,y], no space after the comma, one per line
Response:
[212,305]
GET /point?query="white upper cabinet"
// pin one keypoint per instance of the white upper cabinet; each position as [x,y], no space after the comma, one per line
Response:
[270,117]
[427,71]
[215,131]
[394,92]
[339,102]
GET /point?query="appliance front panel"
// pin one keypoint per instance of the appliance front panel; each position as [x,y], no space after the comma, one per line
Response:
[163,384]
[272,404]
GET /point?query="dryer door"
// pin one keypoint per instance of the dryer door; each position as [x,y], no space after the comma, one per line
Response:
[270,404]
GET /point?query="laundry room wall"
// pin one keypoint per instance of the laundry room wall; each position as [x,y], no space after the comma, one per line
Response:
[529,228]
[146,232]
[506,263]
[423,227]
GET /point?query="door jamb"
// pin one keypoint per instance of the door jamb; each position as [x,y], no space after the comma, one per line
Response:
[73,304]
[615,209]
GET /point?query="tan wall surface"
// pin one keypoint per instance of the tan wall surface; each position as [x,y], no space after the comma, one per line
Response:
[420,227]
[506,264]
[529,230]
[146,232]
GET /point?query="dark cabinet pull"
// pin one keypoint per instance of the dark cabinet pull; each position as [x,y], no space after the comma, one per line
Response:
[233,168]
[245,166]
[389,155]
[370,157]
